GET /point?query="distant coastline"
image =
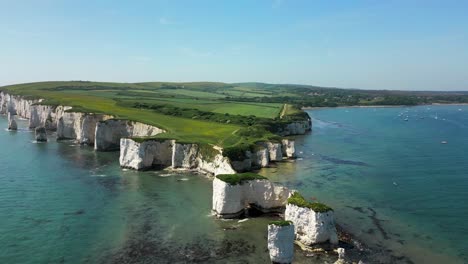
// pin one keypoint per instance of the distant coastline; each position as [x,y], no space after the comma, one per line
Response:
[377,106]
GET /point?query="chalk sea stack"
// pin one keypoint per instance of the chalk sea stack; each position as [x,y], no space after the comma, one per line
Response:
[281,241]
[233,193]
[12,125]
[314,222]
[41,134]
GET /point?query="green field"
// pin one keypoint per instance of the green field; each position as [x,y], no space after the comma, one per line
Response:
[189,112]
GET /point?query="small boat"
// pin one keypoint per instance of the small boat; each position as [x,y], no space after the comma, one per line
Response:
[459,109]
[443,142]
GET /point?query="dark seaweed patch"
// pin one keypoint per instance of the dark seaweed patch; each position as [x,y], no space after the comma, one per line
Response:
[344,162]
[357,208]
[377,223]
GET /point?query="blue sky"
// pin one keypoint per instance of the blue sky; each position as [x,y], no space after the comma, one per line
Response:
[411,45]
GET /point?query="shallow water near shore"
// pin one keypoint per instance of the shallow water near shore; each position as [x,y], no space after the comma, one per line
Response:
[392,183]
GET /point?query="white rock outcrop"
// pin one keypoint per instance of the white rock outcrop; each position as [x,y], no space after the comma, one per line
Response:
[42,116]
[109,133]
[281,243]
[312,227]
[288,148]
[41,134]
[229,200]
[12,125]
[146,154]
[261,157]
[86,133]
[341,256]
[69,125]
[243,165]
[185,156]
[275,151]
[296,128]
[217,165]
[150,153]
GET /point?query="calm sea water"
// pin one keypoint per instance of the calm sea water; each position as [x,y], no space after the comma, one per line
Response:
[392,183]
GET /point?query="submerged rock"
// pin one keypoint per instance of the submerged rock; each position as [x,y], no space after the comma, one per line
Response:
[41,134]
[12,125]
[281,243]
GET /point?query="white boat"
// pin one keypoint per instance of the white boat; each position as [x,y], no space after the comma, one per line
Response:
[443,142]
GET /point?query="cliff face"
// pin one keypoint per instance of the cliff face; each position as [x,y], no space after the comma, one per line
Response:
[145,155]
[185,156]
[230,200]
[168,153]
[312,227]
[275,151]
[83,127]
[261,157]
[299,127]
[281,243]
[288,148]
[109,133]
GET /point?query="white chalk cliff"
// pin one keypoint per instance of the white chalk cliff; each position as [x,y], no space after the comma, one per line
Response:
[312,227]
[230,200]
[275,151]
[288,148]
[169,153]
[82,127]
[281,243]
[146,154]
[109,132]
[296,128]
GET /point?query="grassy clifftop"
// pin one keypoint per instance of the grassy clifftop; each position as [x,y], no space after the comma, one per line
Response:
[190,112]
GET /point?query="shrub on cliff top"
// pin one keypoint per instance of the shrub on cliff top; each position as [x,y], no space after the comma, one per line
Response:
[299,200]
[281,223]
[239,178]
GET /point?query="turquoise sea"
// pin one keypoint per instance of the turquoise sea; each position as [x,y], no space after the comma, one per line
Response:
[392,183]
